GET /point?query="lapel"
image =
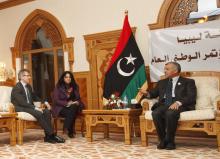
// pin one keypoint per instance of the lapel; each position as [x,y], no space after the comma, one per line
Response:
[164,86]
[24,92]
[22,88]
[62,92]
[178,84]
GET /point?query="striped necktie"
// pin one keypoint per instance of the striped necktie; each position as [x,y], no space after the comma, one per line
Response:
[29,100]
[168,99]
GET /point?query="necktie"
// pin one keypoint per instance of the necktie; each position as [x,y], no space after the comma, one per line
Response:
[28,94]
[168,99]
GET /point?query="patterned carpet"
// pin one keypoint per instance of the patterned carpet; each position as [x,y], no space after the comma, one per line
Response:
[112,148]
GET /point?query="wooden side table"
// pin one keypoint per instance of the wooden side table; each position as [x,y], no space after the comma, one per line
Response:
[8,120]
[121,117]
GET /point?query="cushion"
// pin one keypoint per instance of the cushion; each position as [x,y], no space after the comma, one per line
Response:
[5,94]
[207,91]
[207,114]
[5,98]
[203,102]
[26,116]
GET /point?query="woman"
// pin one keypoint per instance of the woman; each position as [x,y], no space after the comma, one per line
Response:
[67,102]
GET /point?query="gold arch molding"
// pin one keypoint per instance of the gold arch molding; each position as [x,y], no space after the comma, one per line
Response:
[53,29]
[174,13]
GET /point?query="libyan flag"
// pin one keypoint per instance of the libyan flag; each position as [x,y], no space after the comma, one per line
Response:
[126,71]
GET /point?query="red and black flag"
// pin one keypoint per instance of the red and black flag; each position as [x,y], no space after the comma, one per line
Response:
[126,71]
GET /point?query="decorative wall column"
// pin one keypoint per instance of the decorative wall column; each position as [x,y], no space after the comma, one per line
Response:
[218,3]
[16,61]
[68,54]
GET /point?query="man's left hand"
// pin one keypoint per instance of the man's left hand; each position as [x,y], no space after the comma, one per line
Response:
[174,106]
[39,109]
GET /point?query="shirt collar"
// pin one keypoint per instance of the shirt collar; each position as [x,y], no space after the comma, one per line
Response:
[175,79]
[23,84]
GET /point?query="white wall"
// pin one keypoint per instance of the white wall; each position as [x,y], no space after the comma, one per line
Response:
[81,17]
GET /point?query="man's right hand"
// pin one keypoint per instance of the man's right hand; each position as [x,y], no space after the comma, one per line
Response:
[144,92]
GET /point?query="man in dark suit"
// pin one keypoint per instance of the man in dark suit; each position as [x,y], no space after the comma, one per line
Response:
[23,97]
[176,94]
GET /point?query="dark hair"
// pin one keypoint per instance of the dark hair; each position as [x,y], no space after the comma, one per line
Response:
[61,82]
[21,73]
[177,65]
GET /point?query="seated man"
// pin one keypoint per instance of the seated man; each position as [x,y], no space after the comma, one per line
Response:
[23,97]
[176,94]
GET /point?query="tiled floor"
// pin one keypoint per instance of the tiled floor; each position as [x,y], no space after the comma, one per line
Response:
[112,148]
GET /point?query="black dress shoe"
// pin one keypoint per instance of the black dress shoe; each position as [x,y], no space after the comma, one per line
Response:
[170,146]
[58,139]
[49,139]
[161,145]
[71,135]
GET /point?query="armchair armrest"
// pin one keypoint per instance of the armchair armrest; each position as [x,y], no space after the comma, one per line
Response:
[147,104]
[217,117]
[216,102]
[7,107]
[11,108]
[218,105]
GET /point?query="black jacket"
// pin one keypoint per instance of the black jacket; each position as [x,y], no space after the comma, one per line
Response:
[19,99]
[185,92]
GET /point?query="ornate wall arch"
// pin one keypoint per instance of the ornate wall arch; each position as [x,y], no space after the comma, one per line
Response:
[53,29]
[174,13]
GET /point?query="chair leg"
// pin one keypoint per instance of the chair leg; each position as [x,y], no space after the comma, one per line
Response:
[20,131]
[12,129]
[218,141]
[144,139]
[74,127]
[82,126]
[55,125]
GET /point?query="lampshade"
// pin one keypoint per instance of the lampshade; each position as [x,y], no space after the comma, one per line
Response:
[5,73]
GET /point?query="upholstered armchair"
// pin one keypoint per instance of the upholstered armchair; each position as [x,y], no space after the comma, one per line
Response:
[206,117]
[5,99]
[23,120]
[7,113]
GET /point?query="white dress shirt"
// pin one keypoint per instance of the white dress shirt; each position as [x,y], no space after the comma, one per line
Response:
[24,85]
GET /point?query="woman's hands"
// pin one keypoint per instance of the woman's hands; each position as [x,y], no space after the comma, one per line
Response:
[72,102]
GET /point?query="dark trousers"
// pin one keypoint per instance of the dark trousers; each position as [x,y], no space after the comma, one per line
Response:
[165,121]
[69,113]
[44,119]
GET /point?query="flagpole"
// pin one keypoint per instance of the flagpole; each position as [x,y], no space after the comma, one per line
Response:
[126,12]
[133,125]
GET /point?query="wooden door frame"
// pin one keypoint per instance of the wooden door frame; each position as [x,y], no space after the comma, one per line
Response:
[40,18]
[55,52]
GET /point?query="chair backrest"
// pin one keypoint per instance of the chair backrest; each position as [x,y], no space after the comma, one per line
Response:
[207,84]
[5,97]
[207,92]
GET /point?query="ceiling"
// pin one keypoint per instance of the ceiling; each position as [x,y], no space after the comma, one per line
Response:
[11,3]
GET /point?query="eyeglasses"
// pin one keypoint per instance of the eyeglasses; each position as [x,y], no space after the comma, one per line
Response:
[27,75]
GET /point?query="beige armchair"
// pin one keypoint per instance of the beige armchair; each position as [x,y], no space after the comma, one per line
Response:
[23,120]
[7,114]
[206,117]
